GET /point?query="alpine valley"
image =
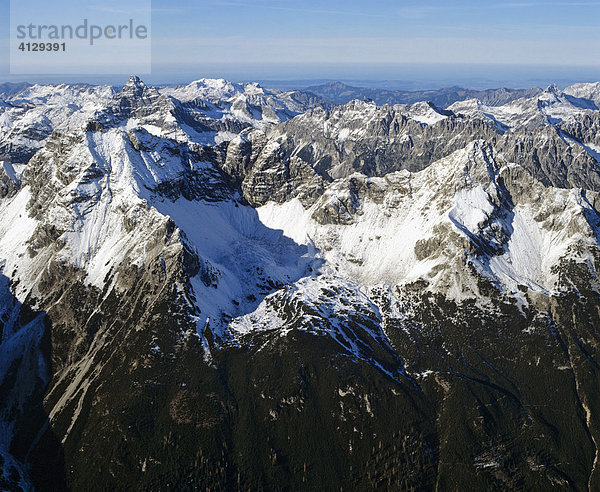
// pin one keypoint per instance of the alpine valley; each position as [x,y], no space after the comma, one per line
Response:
[225,287]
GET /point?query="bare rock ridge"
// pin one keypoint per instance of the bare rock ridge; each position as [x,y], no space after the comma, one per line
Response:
[361,137]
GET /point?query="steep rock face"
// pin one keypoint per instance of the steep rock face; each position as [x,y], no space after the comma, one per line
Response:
[542,134]
[551,134]
[585,131]
[198,112]
[552,158]
[358,137]
[10,179]
[460,243]
[362,137]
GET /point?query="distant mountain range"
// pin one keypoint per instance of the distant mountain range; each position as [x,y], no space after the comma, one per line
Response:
[340,93]
[9,88]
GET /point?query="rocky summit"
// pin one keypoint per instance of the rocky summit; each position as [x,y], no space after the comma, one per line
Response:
[221,287]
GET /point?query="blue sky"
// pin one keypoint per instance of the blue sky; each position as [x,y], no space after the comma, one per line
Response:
[334,39]
[377,31]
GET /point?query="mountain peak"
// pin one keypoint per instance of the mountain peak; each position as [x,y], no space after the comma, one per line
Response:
[135,86]
[134,81]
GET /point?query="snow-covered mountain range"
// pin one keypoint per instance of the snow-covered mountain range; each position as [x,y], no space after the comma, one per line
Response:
[218,284]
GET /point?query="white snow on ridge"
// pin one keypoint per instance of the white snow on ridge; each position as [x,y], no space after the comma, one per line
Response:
[589,91]
[67,107]
[32,114]
[529,256]
[422,112]
[240,251]
[325,306]
[248,103]
[552,105]
[16,228]
[376,249]
[472,208]
[381,244]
